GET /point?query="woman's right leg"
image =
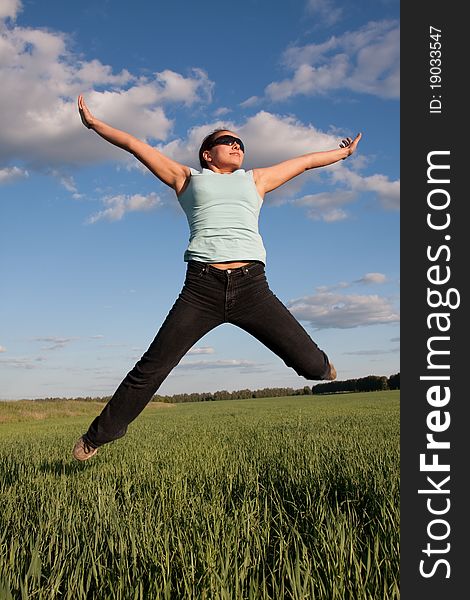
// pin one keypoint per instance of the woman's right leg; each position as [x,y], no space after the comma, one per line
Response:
[191,317]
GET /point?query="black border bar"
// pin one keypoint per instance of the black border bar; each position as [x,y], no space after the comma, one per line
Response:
[435,390]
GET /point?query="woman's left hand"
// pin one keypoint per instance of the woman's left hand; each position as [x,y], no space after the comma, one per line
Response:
[350,144]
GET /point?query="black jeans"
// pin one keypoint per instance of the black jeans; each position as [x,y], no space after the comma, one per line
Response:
[210,297]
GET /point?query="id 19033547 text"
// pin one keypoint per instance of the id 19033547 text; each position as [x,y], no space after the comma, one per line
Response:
[435,70]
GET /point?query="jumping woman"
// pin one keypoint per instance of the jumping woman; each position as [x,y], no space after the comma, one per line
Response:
[225,278]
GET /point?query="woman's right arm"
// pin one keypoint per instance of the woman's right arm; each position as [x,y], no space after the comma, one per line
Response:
[171,172]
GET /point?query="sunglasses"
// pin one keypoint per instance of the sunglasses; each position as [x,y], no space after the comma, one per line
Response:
[227,140]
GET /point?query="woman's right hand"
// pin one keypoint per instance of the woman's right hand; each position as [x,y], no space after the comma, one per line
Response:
[166,169]
[85,114]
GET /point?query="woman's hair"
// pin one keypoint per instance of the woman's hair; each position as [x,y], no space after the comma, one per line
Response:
[206,143]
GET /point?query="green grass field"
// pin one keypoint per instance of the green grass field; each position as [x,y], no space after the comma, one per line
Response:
[285,498]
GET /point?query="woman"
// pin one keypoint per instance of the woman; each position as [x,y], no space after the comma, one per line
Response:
[225,279]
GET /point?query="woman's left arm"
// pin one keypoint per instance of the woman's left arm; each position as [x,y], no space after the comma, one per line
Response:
[268,179]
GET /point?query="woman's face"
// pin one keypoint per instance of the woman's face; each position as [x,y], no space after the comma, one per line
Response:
[224,156]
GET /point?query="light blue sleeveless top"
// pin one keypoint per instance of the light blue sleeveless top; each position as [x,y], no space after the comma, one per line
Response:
[222,212]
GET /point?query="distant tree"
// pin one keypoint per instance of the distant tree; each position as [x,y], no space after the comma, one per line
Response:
[364,384]
[328,388]
[372,383]
[394,381]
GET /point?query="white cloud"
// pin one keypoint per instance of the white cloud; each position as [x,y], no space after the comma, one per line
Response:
[327,310]
[325,10]
[54,342]
[201,350]
[223,110]
[327,206]
[68,182]
[251,101]
[92,72]
[118,206]
[21,362]
[217,364]
[372,278]
[11,174]
[173,87]
[273,138]
[9,8]
[388,192]
[375,352]
[41,79]
[367,279]
[364,61]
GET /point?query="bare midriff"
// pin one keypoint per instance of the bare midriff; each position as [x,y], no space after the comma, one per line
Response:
[229,265]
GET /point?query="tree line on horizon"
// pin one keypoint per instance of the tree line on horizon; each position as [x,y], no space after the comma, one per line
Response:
[370,383]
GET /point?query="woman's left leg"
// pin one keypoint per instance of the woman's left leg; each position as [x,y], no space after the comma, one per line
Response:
[259,312]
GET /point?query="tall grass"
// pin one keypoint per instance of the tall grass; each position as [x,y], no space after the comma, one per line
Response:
[286,498]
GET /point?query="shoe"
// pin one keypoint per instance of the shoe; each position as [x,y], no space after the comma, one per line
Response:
[82,450]
[332,375]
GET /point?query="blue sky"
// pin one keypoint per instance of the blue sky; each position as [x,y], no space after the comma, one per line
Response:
[91,245]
